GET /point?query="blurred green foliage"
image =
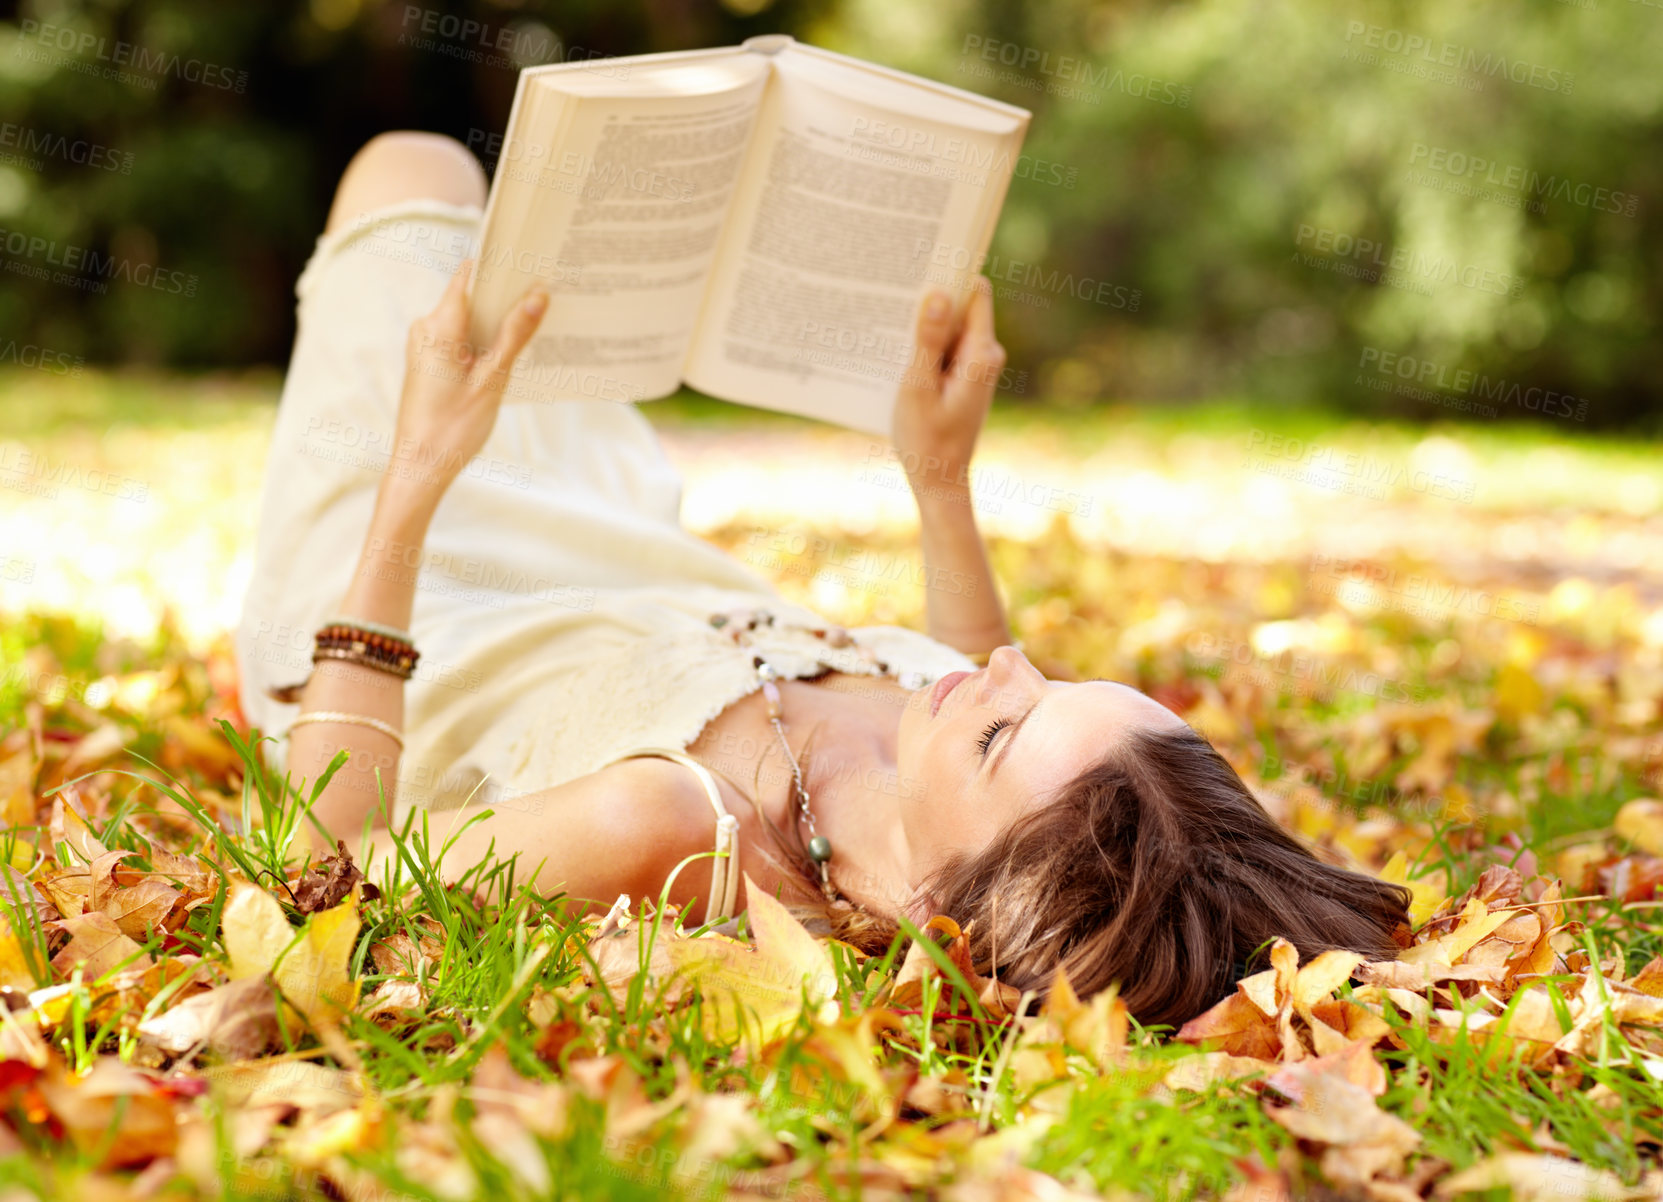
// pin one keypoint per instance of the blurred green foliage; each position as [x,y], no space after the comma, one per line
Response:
[1275,199]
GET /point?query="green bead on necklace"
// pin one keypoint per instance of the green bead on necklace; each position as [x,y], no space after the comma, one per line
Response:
[819,847]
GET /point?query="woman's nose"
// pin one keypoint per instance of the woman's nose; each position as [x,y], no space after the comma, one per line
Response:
[1009,669]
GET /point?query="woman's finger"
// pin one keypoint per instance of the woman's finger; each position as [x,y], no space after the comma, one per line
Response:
[517,328]
[934,335]
[444,330]
[978,321]
[977,356]
[453,305]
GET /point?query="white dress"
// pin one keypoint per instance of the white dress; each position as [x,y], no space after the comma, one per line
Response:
[561,610]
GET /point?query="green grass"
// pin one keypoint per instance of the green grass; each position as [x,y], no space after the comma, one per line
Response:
[511,970]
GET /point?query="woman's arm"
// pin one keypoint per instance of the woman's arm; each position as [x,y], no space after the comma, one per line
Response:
[938,416]
[446,410]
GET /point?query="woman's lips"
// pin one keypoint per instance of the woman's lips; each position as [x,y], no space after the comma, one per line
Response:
[944,686]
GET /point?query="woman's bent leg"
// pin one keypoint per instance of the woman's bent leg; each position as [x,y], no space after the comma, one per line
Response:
[406,165]
[546,513]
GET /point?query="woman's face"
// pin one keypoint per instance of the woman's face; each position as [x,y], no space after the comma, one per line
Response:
[978,749]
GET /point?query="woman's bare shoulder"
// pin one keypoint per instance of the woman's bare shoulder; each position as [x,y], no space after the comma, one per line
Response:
[620,829]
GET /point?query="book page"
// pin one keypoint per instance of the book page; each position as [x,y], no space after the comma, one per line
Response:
[612,186]
[860,193]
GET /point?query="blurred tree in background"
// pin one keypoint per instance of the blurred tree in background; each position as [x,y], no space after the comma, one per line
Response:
[1401,208]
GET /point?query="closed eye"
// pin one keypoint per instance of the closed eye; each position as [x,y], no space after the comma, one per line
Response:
[986,740]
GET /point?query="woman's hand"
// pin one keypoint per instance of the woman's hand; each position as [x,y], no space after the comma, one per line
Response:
[938,416]
[452,391]
[945,395]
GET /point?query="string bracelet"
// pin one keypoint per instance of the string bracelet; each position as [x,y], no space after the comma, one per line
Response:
[386,728]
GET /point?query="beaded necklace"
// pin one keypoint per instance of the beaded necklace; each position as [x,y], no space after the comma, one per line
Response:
[738,627]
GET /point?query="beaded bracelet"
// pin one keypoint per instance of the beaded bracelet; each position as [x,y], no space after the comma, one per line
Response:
[369,648]
[391,632]
[367,644]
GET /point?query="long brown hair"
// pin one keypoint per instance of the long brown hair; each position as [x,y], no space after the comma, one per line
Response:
[1155,868]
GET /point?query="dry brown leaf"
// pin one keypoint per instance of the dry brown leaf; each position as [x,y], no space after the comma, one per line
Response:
[69,826]
[141,909]
[97,746]
[1022,1185]
[1398,974]
[195,881]
[947,1093]
[1354,1063]
[1236,1025]
[907,989]
[509,1108]
[395,1002]
[286,1081]
[69,890]
[1098,1029]
[1363,1141]
[1203,1070]
[239,1021]
[114,1111]
[1339,1022]
[617,960]
[326,884]
[1475,923]
[96,946]
[1513,939]
[1533,1177]
[20,1039]
[1257,1021]
[1600,1001]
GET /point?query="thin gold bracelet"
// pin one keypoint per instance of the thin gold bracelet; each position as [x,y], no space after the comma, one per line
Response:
[386,728]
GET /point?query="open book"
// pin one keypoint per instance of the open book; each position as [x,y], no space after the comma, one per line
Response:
[759,221]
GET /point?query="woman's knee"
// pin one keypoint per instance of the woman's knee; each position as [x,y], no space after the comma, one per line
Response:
[406,165]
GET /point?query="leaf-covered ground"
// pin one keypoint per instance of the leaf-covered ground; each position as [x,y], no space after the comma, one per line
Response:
[1438,655]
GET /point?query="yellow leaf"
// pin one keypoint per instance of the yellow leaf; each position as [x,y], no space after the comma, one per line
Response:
[1517,693]
[1649,979]
[17,788]
[1477,922]
[1324,974]
[310,967]
[1424,896]
[758,989]
[1641,823]
[1260,989]
[22,855]
[255,932]
[14,970]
